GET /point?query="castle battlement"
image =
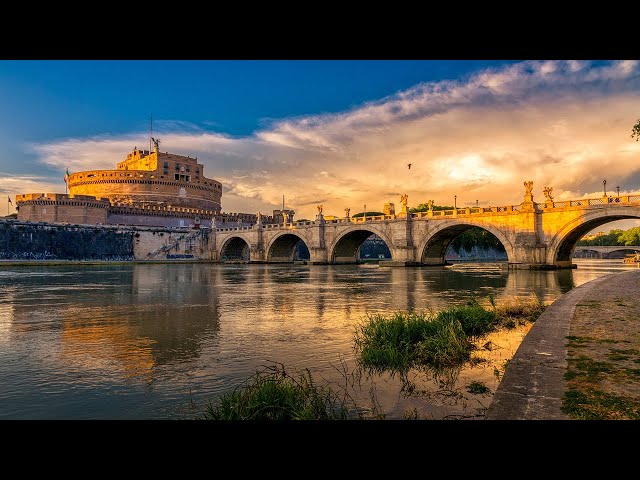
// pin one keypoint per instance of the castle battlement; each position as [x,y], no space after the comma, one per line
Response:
[62,198]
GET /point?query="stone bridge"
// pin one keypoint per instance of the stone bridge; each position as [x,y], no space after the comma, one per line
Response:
[605,252]
[534,235]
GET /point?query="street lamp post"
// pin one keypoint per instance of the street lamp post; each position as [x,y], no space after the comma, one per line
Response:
[618,190]
[476,203]
[604,186]
[364,217]
[455,201]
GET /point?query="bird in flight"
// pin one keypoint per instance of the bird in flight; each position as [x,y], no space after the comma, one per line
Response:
[409,165]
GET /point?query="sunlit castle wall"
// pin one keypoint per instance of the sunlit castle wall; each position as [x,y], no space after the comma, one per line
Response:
[153,179]
[62,208]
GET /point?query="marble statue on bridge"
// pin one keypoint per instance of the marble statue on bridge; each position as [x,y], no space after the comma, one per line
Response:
[547,194]
[528,187]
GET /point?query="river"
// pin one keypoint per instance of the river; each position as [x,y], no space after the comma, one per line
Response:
[160,341]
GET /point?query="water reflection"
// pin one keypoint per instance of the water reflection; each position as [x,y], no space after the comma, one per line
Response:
[152,341]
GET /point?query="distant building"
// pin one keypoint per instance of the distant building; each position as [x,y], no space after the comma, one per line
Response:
[389,209]
[278,216]
[594,236]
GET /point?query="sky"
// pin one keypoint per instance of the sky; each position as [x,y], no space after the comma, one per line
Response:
[337,133]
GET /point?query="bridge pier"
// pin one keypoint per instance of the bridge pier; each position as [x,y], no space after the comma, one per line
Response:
[403,256]
[318,256]
[256,254]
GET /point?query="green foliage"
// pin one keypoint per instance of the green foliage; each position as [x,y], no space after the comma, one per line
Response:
[635,131]
[611,239]
[630,237]
[369,214]
[474,319]
[614,238]
[273,394]
[409,339]
[478,388]
[423,207]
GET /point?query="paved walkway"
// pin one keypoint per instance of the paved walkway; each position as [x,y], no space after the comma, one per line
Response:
[533,385]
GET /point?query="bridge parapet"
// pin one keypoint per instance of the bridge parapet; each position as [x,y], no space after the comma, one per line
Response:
[590,201]
[234,229]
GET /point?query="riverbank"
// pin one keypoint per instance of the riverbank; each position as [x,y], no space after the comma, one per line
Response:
[581,359]
[59,263]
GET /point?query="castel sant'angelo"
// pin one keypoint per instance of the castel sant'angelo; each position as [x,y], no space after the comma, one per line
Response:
[147,188]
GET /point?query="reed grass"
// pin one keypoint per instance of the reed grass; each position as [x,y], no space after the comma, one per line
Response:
[405,340]
[273,394]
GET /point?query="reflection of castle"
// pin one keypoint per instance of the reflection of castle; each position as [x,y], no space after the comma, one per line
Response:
[147,188]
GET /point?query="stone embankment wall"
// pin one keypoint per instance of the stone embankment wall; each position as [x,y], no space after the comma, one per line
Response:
[33,241]
[40,241]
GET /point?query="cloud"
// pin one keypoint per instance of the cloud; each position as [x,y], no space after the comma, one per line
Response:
[19,184]
[564,124]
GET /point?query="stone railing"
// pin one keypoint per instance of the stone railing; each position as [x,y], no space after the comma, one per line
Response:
[590,201]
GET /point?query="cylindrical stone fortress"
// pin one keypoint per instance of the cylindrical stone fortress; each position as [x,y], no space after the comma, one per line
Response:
[151,179]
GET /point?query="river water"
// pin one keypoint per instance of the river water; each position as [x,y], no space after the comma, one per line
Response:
[160,341]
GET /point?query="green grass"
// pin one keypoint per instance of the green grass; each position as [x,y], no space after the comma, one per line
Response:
[588,369]
[404,340]
[273,394]
[478,388]
[594,404]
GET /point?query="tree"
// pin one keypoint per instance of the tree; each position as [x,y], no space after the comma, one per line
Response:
[630,237]
[423,207]
[369,214]
[635,131]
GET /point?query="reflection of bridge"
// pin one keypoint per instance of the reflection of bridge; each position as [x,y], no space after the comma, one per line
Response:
[534,235]
[617,251]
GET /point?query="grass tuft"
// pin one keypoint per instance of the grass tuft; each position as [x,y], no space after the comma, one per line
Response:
[273,394]
[404,340]
[478,388]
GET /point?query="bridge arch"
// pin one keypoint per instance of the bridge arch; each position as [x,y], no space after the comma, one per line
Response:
[234,249]
[346,246]
[621,251]
[433,248]
[563,243]
[283,248]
